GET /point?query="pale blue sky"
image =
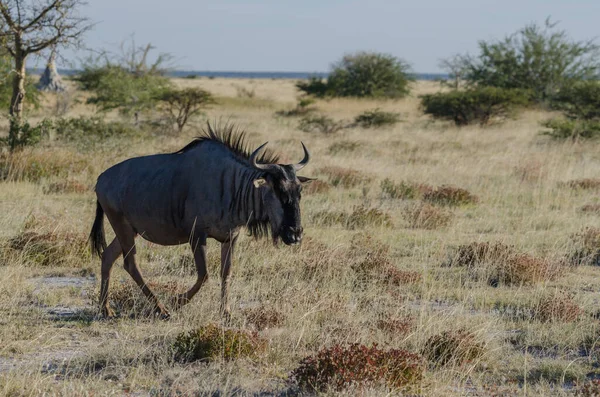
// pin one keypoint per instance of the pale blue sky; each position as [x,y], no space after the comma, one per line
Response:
[308,35]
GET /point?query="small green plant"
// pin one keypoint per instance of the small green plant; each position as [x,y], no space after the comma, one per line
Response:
[425,216]
[339,367]
[320,123]
[181,104]
[474,105]
[449,196]
[377,118]
[212,342]
[457,347]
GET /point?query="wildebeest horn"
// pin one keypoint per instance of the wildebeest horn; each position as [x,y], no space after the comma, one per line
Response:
[254,155]
[304,161]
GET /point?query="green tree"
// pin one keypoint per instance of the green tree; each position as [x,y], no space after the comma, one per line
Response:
[542,59]
[185,103]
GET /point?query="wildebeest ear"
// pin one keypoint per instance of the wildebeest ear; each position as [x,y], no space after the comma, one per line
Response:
[304,179]
[259,182]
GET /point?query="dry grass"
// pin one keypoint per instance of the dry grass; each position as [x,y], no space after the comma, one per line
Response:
[371,269]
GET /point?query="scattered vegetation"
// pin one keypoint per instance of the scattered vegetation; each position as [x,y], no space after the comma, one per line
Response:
[303,107]
[377,118]
[456,347]
[343,147]
[360,217]
[475,105]
[426,216]
[344,177]
[36,165]
[211,342]
[320,123]
[41,243]
[575,130]
[586,247]
[340,367]
[449,196]
[93,129]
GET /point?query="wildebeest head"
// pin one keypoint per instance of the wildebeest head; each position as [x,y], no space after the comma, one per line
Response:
[281,192]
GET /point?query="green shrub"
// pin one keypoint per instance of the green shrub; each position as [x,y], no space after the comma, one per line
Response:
[212,342]
[573,129]
[94,128]
[315,86]
[371,75]
[580,100]
[340,367]
[540,59]
[320,123]
[25,134]
[474,105]
[303,107]
[376,118]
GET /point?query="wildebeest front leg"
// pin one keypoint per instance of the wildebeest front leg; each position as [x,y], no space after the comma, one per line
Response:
[109,256]
[199,249]
[226,254]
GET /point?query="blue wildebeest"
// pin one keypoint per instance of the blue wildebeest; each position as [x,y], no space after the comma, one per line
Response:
[212,188]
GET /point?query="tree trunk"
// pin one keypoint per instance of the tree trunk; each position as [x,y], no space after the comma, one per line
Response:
[18,97]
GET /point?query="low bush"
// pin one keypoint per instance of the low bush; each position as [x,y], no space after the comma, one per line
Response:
[580,100]
[586,247]
[211,342]
[590,208]
[575,130]
[320,123]
[396,326]
[403,190]
[449,196]
[41,243]
[343,147]
[91,129]
[362,216]
[560,307]
[344,177]
[583,184]
[315,86]
[425,216]
[377,118]
[263,317]
[474,105]
[303,107]
[340,367]
[369,257]
[23,134]
[476,253]
[455,347]
[67,186]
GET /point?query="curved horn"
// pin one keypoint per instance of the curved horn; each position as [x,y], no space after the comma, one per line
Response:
[305,160]
[254,155]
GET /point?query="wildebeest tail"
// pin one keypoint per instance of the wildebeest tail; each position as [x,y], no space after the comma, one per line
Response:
[97,237]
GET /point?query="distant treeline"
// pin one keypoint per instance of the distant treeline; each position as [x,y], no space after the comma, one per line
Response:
[251,75]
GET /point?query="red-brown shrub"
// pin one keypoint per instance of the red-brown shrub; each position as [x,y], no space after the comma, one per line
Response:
[340,367]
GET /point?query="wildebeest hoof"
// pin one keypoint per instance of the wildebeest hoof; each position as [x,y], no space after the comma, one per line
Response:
[162,313]
[108,313]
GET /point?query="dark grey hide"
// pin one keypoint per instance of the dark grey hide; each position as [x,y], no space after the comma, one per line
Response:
[211,188]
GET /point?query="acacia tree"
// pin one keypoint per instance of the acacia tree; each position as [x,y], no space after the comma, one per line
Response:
[28,27]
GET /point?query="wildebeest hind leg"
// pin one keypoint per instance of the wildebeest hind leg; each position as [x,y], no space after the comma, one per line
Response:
[199,249]
[126,236]
[109,256]
[226,254]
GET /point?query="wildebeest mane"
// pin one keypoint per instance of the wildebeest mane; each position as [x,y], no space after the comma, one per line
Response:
[234,139]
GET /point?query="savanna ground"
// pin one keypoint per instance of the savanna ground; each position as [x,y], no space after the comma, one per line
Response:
[376,265]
